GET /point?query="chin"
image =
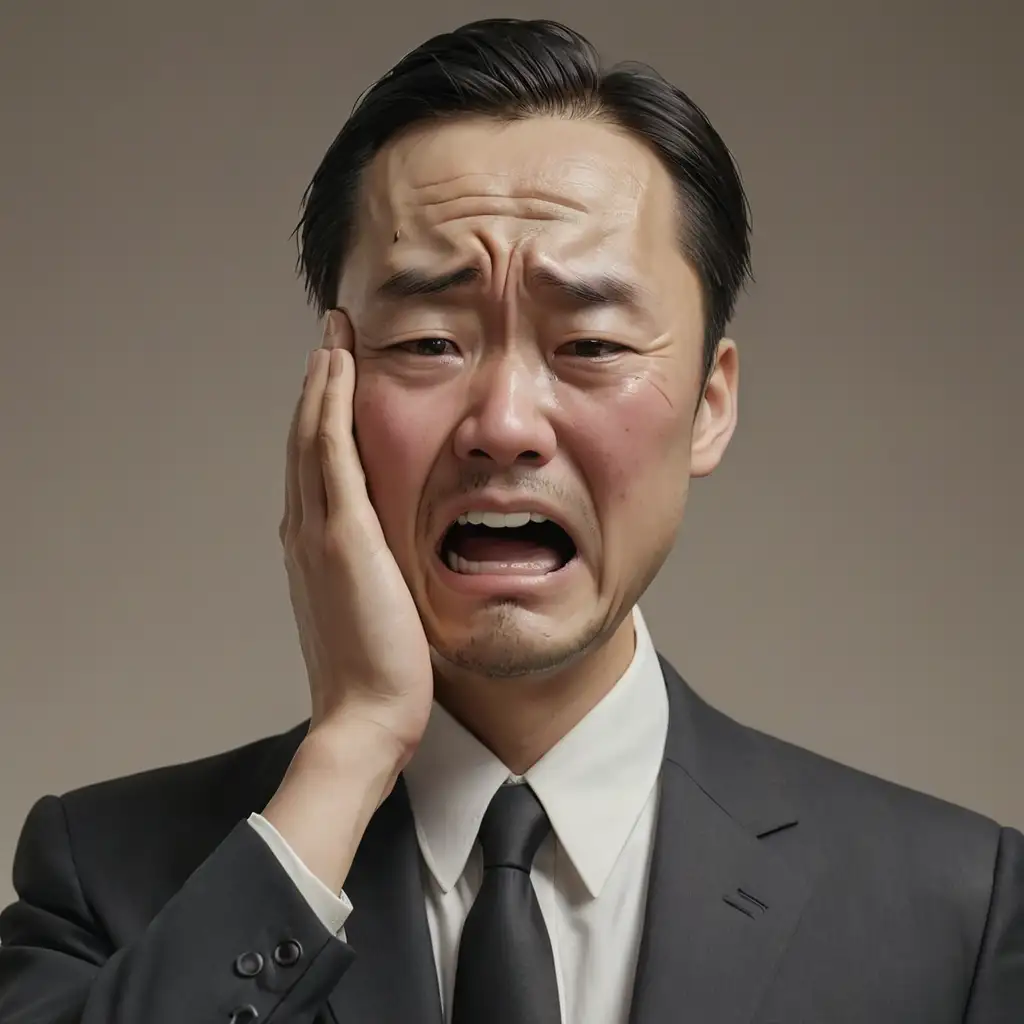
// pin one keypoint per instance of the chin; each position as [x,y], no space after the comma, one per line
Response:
[505,641]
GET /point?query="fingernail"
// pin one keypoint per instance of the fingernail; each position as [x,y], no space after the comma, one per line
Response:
[328,330]
[309,359]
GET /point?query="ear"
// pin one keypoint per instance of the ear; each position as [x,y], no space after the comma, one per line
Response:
[715,421]
[338,332]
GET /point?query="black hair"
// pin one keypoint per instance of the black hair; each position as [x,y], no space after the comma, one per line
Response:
[512,69]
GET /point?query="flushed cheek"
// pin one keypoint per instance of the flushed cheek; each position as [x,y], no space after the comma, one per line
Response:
[399,435]
[633,452]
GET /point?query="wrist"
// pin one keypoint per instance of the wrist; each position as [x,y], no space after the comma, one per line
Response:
[386,736]
[352,751]
[337,779]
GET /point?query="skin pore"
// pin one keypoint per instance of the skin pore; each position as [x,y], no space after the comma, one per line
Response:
[533,334]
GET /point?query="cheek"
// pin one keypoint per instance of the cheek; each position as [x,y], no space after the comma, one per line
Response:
[634,451]
[398,436]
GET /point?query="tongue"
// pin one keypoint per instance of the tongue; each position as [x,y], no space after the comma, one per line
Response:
[508,554]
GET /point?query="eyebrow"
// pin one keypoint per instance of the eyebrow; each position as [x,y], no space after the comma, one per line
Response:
[409,284]
[589,290]
[601,289]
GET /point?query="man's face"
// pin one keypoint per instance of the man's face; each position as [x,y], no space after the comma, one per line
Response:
[530,343]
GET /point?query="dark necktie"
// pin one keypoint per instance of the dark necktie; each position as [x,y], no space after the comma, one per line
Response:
[506,970]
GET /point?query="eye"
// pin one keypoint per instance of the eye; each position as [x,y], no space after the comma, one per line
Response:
[594,348]
[430,347]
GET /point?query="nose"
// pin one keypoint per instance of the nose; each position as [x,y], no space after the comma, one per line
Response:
[508,419]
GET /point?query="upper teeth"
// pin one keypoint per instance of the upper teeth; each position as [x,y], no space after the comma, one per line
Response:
[500,519]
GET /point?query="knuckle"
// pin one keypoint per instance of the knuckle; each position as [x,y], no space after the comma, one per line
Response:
[299,549]
[330,452]
[334,544]
[289,550]
[326,441]
[292,548]
[287,534]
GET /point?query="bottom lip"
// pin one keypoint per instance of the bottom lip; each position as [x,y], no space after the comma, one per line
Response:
[500,584]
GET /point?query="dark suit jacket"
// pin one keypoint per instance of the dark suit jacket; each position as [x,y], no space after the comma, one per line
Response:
[785,889]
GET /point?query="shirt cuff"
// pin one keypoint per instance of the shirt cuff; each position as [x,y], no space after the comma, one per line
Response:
[332,910]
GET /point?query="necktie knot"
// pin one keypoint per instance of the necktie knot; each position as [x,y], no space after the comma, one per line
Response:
[513,828]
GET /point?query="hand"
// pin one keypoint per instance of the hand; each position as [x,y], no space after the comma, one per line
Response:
[365,650]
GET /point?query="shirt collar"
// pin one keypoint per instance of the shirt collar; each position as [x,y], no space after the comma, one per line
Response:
[593,783]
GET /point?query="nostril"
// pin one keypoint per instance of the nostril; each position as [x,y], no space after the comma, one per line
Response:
[529,455]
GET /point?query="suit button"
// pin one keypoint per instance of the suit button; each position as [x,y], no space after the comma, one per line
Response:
[288,953]
[245,1014]
[248,965]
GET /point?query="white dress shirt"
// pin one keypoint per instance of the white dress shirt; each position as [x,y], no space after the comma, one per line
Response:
[599,788]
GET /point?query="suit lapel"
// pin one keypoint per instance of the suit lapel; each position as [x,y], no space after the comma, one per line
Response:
[722,904]
[393,979]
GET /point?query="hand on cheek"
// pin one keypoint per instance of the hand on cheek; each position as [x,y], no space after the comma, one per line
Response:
[338,332]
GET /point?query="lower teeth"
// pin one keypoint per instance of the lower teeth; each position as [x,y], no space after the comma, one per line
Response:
[462,565]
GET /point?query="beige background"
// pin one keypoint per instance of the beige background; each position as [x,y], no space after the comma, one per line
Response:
[851,579]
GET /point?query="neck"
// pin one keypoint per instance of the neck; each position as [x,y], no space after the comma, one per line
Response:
[520,720]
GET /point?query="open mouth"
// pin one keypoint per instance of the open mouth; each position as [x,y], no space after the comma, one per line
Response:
[509,544]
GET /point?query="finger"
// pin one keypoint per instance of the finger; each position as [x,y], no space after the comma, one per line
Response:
[343,476]
[342,471]
[292,498]
[338,330]
[311,486]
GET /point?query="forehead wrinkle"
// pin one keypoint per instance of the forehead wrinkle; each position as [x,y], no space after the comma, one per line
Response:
[592,201]
[516,191]
[411,177]
[520,209]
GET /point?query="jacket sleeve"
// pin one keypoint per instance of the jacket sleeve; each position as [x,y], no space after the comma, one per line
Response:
[237,943]
[997,992]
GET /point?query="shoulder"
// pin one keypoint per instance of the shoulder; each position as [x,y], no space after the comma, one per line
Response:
[859,822]
[834,793]
[879,826]
[201,798]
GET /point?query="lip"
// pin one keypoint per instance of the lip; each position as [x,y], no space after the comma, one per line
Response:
[503,503]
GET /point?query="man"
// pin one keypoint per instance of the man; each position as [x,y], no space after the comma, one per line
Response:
[505,808]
